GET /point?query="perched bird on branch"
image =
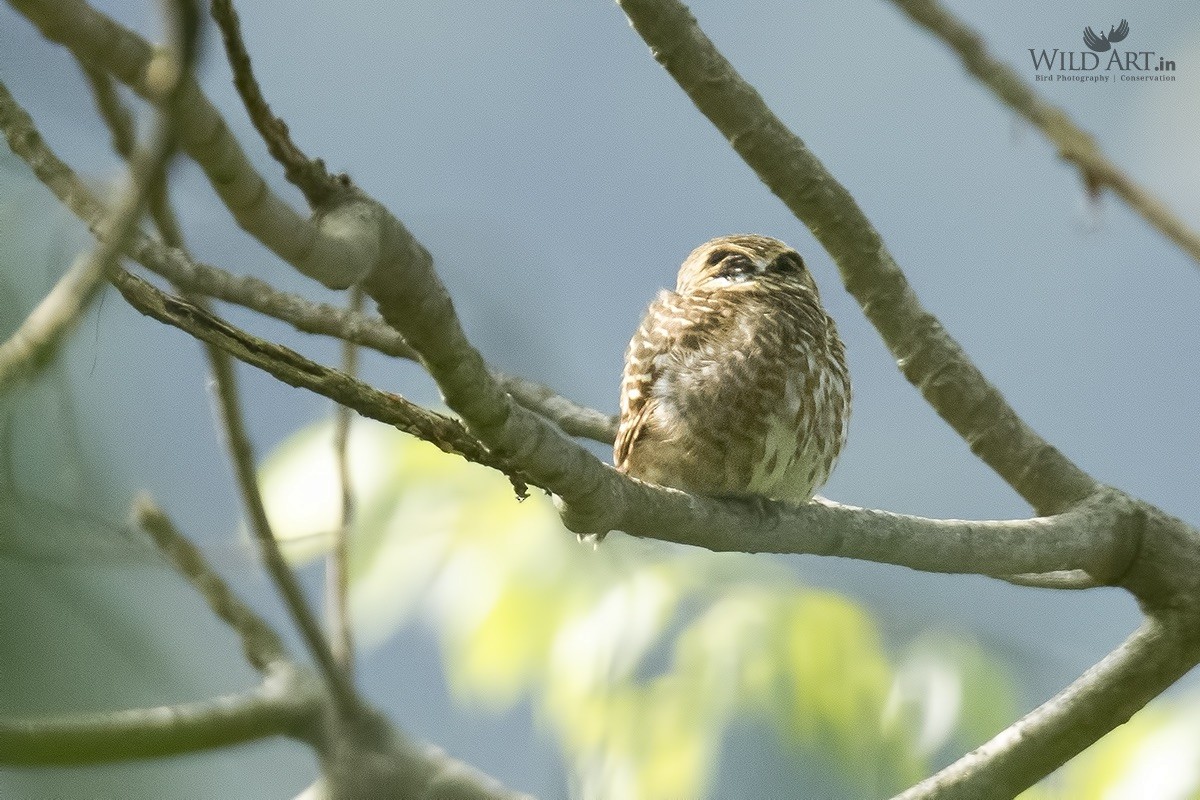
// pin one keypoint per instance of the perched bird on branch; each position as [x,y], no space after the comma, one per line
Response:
[736,384]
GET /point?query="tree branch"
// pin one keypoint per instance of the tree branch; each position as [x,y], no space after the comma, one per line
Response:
[260,643]
[383,762]
[120,122]
[1096,535]
[308,175]
[1160,652]
[39,337]
[302,314]
[337,247]
[337,561]
[284,704]
[296,370]
[1074,144]
[241,453]
[121,126]
[413,300]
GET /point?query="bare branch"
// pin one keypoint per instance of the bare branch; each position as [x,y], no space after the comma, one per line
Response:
[1096,537]
[302,314]
[1160,652]
[308,175]
[1074,144]
[931,360]
[295,370]
[260,643]
[229,411]
[37,340]
[337,562]
[286,703]
[574,419]
[281,362]
[337,247]
[389,764]
[242,455]
[120,122]
[116,116]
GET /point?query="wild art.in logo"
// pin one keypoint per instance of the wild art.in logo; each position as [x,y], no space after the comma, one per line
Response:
[1087,66]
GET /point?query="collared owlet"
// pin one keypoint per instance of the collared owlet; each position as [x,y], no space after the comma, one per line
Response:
[736,382]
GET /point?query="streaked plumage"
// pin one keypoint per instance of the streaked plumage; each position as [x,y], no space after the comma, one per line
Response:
[736,383]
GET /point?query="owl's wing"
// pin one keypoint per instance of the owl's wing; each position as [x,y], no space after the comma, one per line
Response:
[629,431]
[644,363]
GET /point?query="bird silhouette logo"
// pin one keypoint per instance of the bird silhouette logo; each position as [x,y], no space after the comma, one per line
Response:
[1101,41]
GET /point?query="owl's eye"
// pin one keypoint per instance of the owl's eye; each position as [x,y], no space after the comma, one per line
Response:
[716,255]
[735,265]
[789,261]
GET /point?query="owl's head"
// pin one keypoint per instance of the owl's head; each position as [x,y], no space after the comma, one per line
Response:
[743,262]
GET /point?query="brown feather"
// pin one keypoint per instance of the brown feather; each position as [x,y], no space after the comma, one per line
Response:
[736,381]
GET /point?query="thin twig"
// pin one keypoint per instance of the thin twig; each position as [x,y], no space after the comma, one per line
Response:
[238,441]
[306,174]
[116,115]
[337,563]
[39,337]
[336,247]
[260,643]
[296,370]
[121,126]
[1074,144]
[279,361]
[241,452]
[225,387]
[37,340]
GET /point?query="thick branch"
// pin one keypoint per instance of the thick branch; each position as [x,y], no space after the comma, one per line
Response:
[1098,537]
[1074,144]
[285,704]
[926,353]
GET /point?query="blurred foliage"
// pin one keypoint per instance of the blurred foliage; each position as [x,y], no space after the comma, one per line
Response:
[639,655]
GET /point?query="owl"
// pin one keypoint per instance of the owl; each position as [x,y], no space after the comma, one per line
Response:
[735,384]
